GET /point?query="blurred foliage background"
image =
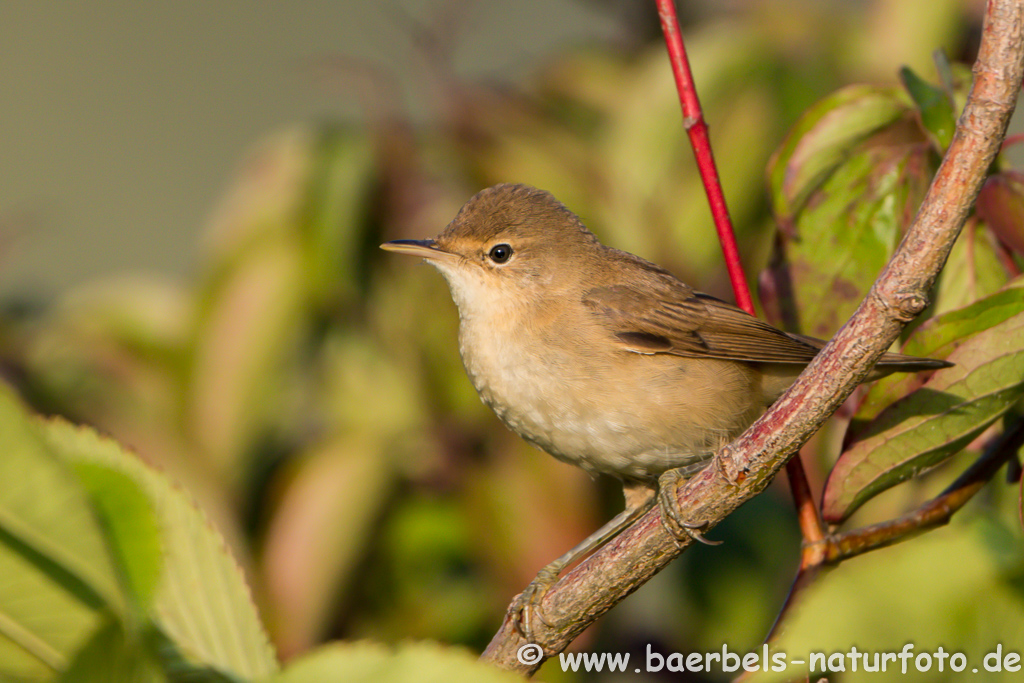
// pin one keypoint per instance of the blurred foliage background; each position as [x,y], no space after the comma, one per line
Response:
[306,387]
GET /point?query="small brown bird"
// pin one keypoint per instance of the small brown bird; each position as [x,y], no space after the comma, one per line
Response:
[603,359]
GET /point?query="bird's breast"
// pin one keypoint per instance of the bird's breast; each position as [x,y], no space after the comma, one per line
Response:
[589,403]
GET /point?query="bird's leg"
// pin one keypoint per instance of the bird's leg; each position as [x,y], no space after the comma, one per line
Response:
[668,484]
[640,497]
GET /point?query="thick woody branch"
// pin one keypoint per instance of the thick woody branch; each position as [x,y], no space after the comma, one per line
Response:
[744,468]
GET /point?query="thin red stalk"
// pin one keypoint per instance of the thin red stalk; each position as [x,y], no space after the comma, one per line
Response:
[697,129]
[1012,140]
[810,517]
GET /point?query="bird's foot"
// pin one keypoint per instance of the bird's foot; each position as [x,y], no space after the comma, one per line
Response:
[527,604]
[671,516]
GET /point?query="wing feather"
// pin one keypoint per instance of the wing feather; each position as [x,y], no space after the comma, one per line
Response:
[666,316]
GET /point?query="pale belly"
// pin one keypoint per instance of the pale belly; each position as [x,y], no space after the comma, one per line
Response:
[632,418]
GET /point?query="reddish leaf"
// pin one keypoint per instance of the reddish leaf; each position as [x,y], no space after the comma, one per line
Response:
[1001,205]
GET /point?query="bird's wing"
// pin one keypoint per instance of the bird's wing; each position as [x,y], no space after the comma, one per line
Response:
[666,316]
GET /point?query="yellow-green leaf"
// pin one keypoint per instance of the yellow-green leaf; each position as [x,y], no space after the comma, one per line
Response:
[57,577]
[936,338]
[845,235]
[201,601]
[365,662]
[822,139]
[131,526]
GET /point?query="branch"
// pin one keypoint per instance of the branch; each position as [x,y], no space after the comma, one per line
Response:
[835,548]
[935,512]
[744,468]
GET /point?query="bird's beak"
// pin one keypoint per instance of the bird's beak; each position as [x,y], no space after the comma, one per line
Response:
[427,249]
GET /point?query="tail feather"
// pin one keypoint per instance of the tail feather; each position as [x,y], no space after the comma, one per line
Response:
[889,362]
[898,362]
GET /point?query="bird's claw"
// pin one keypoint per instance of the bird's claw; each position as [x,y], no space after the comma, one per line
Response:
[672,517]
[696,532]
[527,604]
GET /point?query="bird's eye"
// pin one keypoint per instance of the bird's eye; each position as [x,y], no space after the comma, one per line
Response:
[500,253]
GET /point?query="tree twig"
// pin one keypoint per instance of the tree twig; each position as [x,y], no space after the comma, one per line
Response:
[835,548]
[744,468]
[935,512]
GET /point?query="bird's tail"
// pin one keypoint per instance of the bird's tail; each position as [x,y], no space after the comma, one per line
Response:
[890,362]
[898,362]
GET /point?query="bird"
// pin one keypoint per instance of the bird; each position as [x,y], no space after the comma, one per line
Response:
[603,359]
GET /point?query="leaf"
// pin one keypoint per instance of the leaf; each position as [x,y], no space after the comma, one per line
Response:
[113,655]
[336,216]
[934,422]
[251,319]
[201,601]
[946,588]
[1001,205]
[940,335]
[131,526]
[365,662]
[823,138]
[848,230]
[267,197]
[57,577]
[972,271]
[936,338]
[934,107]
[109,352]
[336,493]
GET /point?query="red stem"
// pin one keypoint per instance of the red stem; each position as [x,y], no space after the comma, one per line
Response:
[1012,140]
[693,119]
[697,129]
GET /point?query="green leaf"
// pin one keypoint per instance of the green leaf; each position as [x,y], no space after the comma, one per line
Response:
[366,662]
[944,70]
[936,338]
[934,422]
[823,138]
[136,656]
[946,589]
[267,198]
[847,232]
[339,194]
[113,655]
[934,106]
[131,526]
[940,335]
[201,601]
[57,577]
[252,317]
[337,491]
